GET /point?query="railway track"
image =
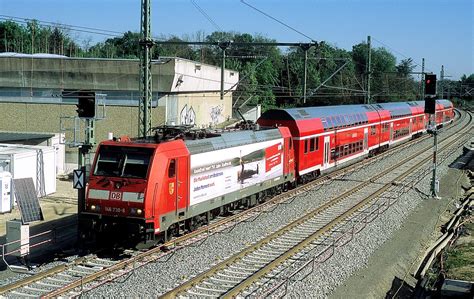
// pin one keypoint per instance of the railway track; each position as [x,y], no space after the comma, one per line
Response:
[318,230]
[89,272]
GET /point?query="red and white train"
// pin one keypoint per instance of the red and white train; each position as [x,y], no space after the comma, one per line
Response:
[149,190]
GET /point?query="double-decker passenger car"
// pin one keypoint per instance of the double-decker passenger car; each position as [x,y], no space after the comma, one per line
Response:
[333,136]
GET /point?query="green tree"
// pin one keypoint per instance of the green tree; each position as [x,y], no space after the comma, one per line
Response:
[405,67]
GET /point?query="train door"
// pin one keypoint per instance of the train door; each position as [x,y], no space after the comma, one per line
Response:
[177,178]
[289,161]
[391,132]
[181,182]
[327,151]
[366,138]
[410,129]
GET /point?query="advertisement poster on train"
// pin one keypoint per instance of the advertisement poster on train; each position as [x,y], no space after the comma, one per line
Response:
[220,172]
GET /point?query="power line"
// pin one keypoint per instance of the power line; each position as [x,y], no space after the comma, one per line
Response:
[394,50]
[65,26]
[276,20]
[60,26]
[206,15]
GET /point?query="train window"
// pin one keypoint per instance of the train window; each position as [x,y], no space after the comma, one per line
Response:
[317,143]
[373,130]
[172,168]
[306,146]
[136,166]
[312,144]
[290,143]
[119,161]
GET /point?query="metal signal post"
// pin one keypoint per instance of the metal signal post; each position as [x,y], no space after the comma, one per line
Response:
[430,108]
[434,179]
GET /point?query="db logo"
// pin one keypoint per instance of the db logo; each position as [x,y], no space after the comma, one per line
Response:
[116,195]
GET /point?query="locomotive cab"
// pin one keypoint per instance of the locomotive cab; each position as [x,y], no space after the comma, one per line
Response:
[116,190]
[133,188]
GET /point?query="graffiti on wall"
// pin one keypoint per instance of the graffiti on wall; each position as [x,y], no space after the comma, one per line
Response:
[216,114]
[188,116]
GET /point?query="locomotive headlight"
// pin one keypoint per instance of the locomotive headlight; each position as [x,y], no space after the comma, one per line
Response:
[95,208]
[135,211]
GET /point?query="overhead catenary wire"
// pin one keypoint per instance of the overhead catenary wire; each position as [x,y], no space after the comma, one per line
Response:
[278,21]
[206,15]
[64,26]
[398,52]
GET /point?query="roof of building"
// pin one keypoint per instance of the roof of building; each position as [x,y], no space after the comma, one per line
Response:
[22,136]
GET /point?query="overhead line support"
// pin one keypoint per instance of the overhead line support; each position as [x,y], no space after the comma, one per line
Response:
[146,43]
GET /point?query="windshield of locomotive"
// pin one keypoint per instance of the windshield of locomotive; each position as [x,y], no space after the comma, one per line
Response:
[121,161]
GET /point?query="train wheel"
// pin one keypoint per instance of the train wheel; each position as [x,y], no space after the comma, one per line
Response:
[171,232]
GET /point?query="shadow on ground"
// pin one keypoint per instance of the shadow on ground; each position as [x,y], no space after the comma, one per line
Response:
[60,238]
[399,289]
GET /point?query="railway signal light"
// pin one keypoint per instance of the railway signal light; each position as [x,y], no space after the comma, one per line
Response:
[430,84]
[430,105]
[86,104]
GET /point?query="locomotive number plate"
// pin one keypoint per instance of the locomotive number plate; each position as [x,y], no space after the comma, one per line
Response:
[115,210]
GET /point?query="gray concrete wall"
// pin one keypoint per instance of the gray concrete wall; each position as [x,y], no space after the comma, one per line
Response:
[27,117]
[81,73]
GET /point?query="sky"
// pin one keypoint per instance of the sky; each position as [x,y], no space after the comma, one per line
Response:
[441,31]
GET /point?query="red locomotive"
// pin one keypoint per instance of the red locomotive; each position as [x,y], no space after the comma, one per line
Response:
[149,190]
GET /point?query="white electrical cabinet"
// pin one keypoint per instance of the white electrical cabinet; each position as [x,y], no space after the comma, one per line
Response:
[18,238]
[5,191]
[36,162]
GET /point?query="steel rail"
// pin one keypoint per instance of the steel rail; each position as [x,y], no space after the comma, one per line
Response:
[39,276]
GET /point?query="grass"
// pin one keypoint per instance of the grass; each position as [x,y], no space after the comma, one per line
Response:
[460,259]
